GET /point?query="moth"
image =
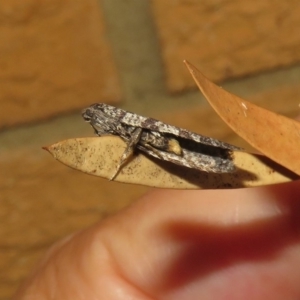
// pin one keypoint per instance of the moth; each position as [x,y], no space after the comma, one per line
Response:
[160,140]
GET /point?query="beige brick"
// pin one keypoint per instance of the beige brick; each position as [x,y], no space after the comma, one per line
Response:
[226,39]
[54,57]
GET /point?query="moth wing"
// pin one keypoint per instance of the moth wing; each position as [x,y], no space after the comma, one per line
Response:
[192,160]
[155,125]
[198,138]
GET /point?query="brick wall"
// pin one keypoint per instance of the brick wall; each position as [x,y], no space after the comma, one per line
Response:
[226,39]
[58,56]
[55,57]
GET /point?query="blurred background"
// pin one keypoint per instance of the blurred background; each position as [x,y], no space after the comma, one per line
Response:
[59,56]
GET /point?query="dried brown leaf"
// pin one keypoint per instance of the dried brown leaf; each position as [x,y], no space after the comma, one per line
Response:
[274,135]
[99,156]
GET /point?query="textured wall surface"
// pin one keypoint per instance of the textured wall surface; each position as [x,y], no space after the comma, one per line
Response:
[226,38]
[54,57]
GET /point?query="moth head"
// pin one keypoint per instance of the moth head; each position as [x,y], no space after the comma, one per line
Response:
[99,120]
[87,115]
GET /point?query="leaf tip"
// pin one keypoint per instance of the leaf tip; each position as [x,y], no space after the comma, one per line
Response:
[47,148]
[187,63]
[192,69]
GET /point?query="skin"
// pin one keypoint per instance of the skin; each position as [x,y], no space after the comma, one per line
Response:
[219,244]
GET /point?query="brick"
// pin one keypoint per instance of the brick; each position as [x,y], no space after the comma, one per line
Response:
[226,39]
[54,57]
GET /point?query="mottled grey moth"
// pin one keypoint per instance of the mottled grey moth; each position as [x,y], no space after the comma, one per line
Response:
[160,140]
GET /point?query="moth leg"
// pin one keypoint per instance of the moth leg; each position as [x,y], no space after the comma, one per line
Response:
[134,139]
